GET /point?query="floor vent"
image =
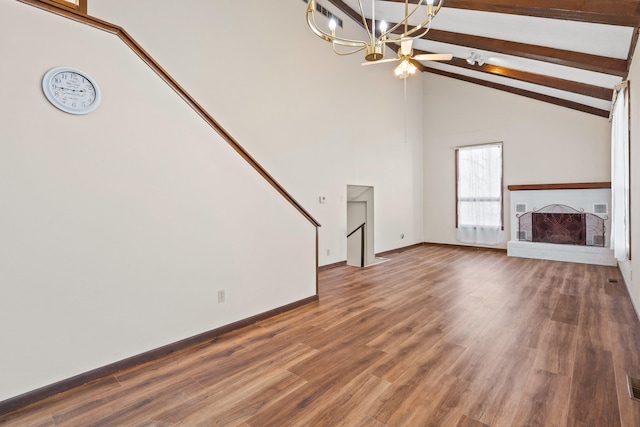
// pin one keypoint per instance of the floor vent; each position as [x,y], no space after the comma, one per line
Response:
[612,280]
[634,387]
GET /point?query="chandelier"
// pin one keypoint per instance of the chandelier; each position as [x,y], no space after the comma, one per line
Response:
[378,32]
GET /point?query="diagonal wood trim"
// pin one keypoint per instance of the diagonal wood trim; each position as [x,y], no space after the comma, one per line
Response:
[539,79]
[526,93]
[80,6]
[600,64]
[623,13]
[17,402]
[51,6]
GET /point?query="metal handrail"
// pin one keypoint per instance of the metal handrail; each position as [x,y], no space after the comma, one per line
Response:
[357,228]
[361,227]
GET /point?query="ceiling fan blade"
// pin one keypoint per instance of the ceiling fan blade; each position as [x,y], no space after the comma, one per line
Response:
[434,57]
[381,61]
[406,46]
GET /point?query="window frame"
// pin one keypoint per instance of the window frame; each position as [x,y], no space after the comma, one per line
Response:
[79,5]
[457,172]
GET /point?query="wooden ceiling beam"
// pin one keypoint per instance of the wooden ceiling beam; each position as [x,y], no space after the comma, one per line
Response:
[610,12]
[526,93]
[592,91]
[585,61]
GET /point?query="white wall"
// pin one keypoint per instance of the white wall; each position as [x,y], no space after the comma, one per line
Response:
[315,120]
[119,227]
[543,144]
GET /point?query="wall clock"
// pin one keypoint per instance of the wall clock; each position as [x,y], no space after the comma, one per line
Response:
[71,90]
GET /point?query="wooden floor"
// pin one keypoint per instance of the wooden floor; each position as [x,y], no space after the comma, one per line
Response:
[434,337]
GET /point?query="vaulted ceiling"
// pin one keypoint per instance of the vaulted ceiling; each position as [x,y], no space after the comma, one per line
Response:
[567,52]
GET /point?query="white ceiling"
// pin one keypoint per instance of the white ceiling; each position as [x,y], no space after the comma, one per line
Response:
[571,52]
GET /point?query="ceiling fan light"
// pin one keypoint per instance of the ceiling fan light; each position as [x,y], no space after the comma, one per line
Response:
[401,69]
[405,69]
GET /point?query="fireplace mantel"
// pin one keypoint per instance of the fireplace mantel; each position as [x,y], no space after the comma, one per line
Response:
[572,186]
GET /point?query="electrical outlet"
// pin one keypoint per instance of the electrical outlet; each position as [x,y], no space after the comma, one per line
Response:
[222,295]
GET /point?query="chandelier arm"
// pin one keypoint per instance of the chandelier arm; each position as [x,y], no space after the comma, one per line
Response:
[405,20]
[311,21]
[409,35]
[423,24]
[364,22]
[402,37]
[346,53]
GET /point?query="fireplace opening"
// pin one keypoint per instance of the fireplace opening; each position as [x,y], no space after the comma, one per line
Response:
[561,224]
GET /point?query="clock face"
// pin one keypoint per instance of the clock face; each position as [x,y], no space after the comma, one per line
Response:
[71,90]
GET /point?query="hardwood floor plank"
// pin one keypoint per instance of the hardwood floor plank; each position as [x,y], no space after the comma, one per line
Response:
[406,394]
[629,408]
[353,404]
[494,395]
[594,398]
[621,310]
[567,309]
[545,400]
[593,331]
[469,422]
[230,408]
[557,347]
[436,336]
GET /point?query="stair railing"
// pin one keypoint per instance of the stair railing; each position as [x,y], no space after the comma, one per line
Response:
[361,227]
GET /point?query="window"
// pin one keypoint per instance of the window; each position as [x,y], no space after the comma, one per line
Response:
[79,5]
[479,213]
[620,240]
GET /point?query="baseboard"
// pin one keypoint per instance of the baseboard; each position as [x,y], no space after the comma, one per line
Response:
[20,401]
[409,247]
[399,250]
[334,265]
[451,245]
[381,254]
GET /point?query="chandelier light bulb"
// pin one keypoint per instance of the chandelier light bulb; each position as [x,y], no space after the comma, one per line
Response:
[332,24]
[405,69]
[430,7]
[383,26]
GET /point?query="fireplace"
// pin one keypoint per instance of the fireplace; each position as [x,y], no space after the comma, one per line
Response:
[562,230]
[561,224]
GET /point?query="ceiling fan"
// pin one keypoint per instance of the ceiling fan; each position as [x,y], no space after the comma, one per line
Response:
[405,56]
